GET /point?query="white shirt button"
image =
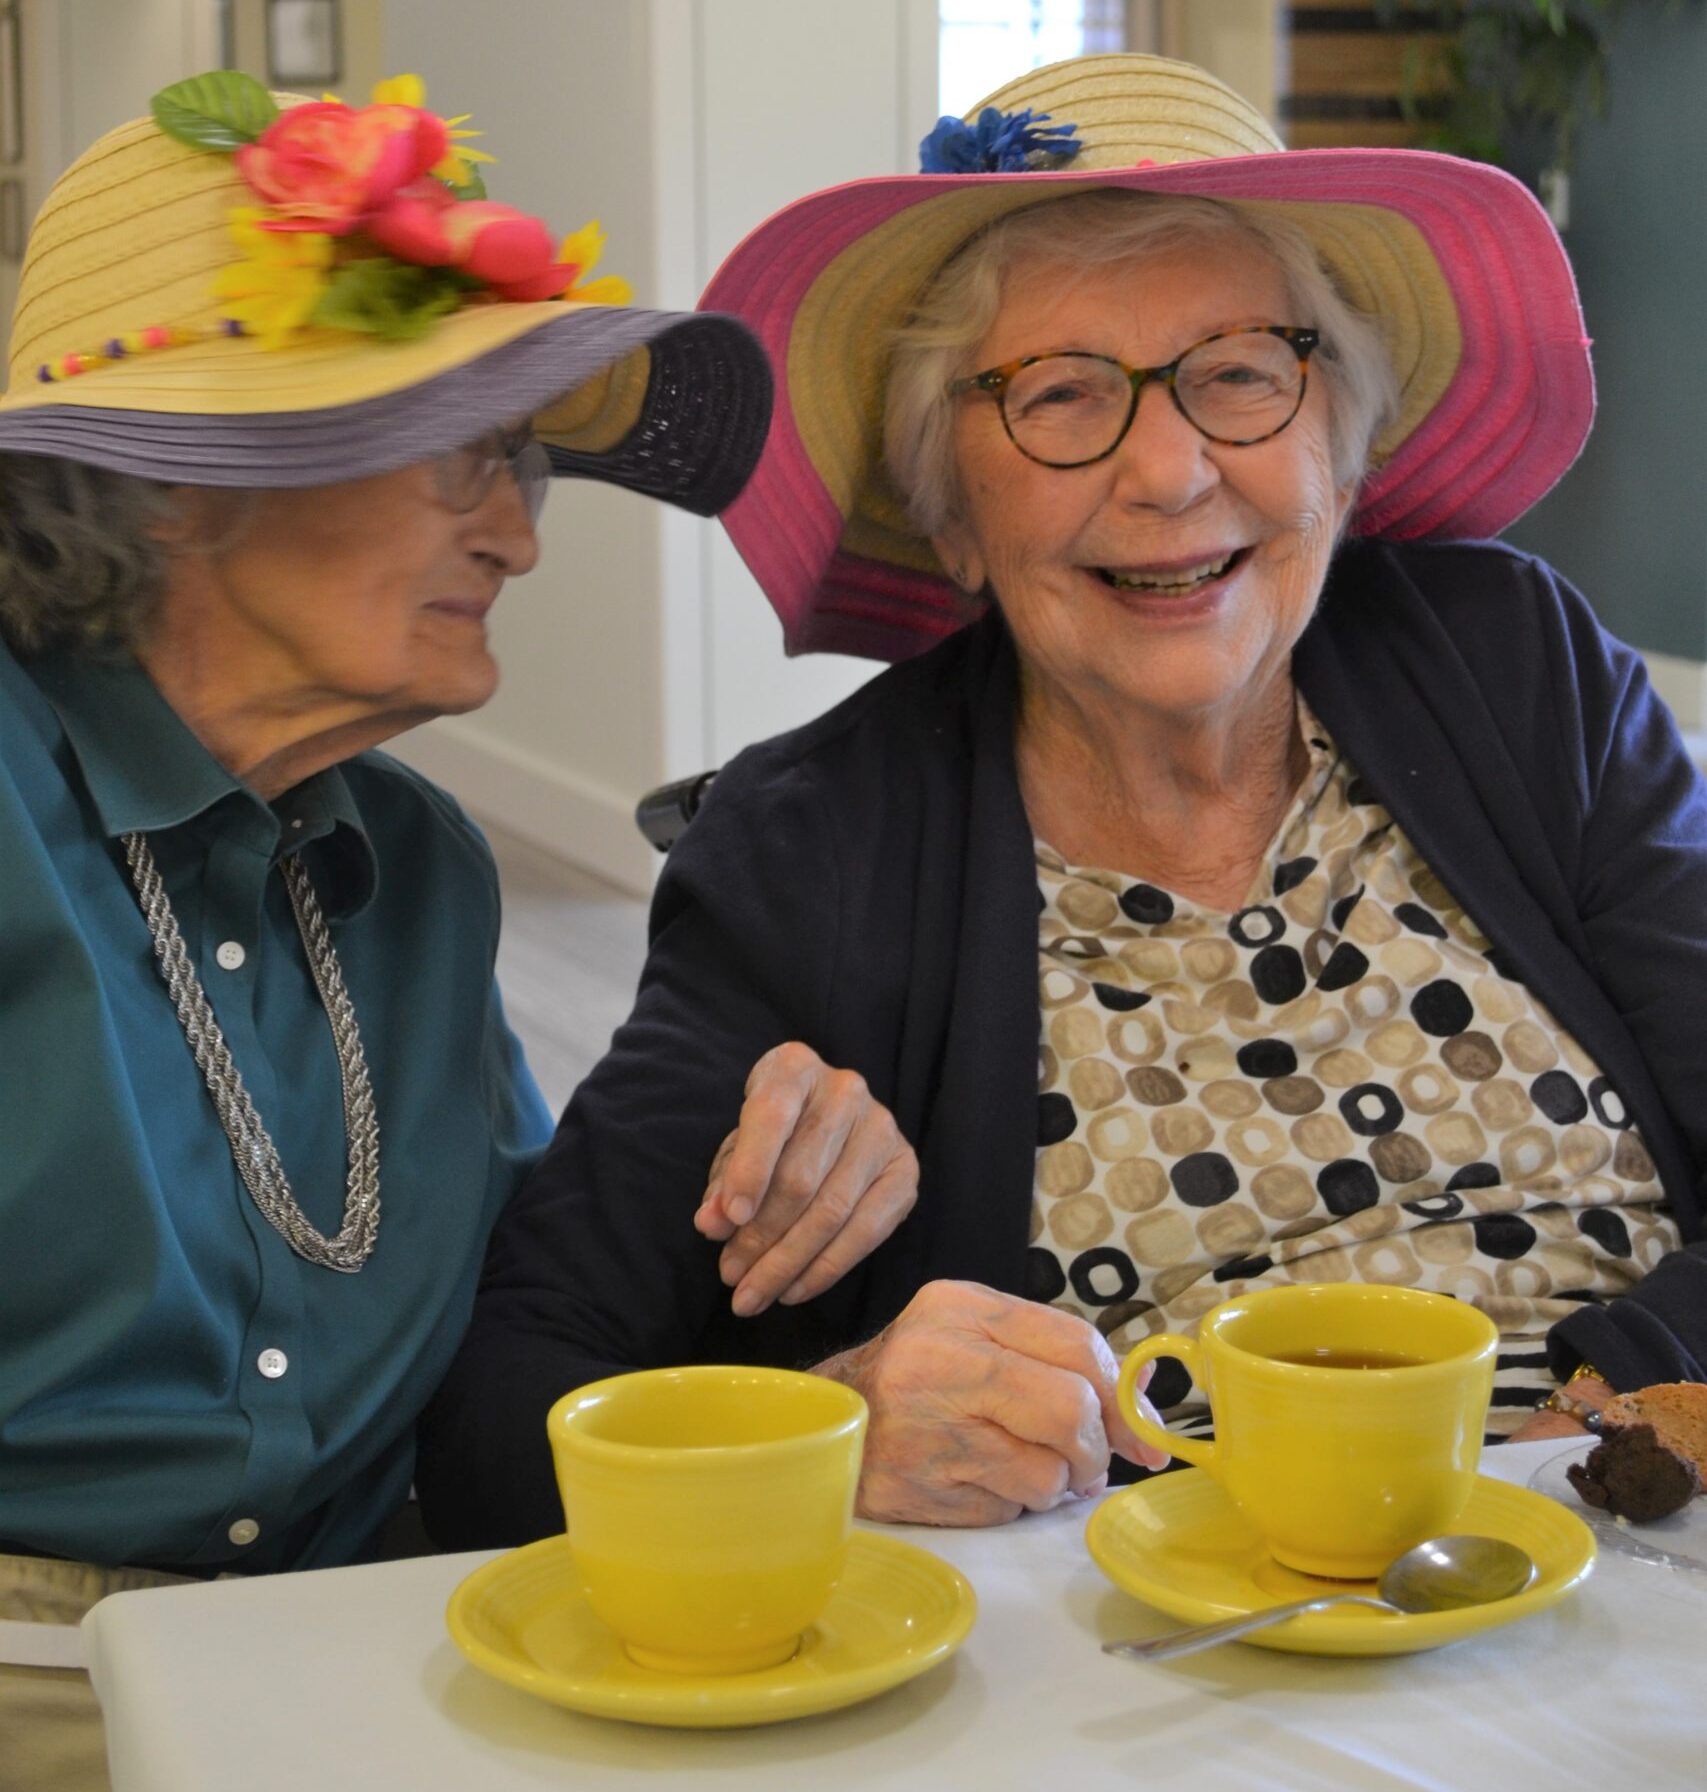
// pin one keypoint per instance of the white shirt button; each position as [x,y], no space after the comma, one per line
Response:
[230,956]
[244,1532]
[272,1363]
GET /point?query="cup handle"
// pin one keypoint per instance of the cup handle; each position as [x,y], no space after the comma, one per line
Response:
[1188,1449]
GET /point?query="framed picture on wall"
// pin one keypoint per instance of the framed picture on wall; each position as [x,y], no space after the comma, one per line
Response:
[11,86]
[303,47]
[12,231]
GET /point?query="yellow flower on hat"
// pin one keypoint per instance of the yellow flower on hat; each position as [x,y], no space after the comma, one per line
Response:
[399,90]
[582,250]
[411,90]
[273,290]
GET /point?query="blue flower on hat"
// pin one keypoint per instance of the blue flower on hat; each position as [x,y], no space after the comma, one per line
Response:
[999,143]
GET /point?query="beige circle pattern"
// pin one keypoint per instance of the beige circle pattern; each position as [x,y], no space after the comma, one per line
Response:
[1341,1081]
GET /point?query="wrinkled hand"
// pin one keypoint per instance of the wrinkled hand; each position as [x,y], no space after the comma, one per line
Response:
[984,1406]
[813,1178]
[1590,1391]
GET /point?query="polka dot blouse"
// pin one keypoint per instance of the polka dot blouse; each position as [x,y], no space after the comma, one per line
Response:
[1340,1082]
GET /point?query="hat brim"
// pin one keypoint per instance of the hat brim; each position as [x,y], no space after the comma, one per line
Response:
[1458,258]
[671,404]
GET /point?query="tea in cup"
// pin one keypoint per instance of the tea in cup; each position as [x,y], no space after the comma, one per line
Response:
[709,1508]
[1348,1419]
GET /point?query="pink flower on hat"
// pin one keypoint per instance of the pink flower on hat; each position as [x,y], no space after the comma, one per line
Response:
[326,166]
[372,219]
[504,248]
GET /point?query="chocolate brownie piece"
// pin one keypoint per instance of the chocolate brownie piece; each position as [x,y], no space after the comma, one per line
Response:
[1631,1474]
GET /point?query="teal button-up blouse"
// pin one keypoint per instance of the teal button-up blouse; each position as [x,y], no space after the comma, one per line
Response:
[177,1387]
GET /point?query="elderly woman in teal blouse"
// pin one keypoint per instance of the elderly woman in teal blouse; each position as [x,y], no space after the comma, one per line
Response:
[260,1105]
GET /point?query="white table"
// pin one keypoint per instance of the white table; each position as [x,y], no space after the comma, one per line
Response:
[346,1681]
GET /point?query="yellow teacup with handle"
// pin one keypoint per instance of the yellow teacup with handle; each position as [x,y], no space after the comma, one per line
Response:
[1348,1419]
[709,1508]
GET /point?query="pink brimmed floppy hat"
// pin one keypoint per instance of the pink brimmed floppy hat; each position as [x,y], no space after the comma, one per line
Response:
[1475,297]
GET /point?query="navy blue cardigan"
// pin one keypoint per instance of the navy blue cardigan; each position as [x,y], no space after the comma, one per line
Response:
[866,884]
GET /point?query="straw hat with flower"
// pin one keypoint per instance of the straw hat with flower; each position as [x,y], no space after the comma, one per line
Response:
[1457,260]
[248,289]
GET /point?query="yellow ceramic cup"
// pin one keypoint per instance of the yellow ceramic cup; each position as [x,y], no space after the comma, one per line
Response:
[709,1508]
[1338,1468]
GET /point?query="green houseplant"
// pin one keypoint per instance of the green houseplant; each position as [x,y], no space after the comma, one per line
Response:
[1511,80]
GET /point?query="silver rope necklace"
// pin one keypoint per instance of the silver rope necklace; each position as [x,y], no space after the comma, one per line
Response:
[257,1160]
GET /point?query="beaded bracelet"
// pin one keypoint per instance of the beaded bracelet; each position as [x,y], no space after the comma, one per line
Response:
[1560,1400]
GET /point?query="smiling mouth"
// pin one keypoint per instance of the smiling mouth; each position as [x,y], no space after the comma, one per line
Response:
[1176,581]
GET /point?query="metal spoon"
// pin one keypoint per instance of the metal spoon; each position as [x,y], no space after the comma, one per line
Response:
[1438,1576]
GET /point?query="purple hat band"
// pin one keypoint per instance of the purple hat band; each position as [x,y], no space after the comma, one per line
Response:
[697,438]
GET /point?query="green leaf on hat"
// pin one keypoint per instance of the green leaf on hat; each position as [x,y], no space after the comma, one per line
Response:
[472,188]
[219,111]
[393,299]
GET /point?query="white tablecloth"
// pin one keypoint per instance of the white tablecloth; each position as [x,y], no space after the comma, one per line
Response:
[346,1681]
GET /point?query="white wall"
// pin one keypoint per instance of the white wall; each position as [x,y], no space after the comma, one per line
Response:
[562,89]
[116,54]
[640,649]
[1239,40]
[794,95]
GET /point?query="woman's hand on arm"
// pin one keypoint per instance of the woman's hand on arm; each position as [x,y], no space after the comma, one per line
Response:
[813,1178]
[984,1406]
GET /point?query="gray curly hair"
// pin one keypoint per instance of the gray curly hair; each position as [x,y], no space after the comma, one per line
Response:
[79,564]
[1099,229]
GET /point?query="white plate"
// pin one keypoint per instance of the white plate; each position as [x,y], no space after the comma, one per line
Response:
[1678,1542]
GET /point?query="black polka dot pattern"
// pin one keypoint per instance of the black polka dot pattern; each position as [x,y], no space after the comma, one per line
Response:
[1277,974]
[1100,1277]
[1146,904]
[1345,966]
[1605,1225]
[1442,1008]
[1257,926]
[1045,1279]
[1204,1179]
[1057,1118]
[1435,1207]
[1419,920]
[1267,1057]
[1371,1109]
[1608,1104]
[1340,913]
[1348,1185]
[1503,1235]
[1123,1001]
[1341,1078]
[1560,1097]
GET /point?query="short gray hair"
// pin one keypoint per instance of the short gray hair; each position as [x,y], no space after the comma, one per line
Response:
[79,566]
[1098,229]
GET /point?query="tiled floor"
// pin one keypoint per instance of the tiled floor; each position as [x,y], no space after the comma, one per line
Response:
[569,958]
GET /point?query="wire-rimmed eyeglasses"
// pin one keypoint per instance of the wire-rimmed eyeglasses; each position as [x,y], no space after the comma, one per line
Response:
[465,477]
[1069,408]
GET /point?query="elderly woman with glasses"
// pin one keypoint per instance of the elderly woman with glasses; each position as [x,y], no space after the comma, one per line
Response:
[1256,879]
[259,1104]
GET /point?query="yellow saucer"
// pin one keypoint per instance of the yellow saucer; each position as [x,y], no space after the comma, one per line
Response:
[896,1611]
[1178,1543]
